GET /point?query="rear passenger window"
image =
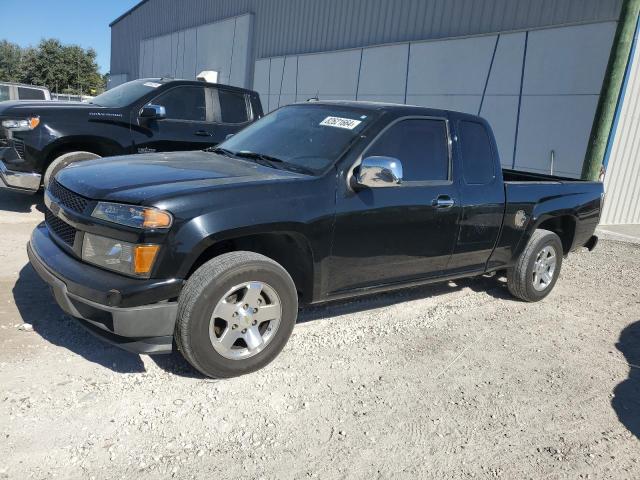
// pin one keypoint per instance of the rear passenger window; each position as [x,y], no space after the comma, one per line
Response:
[233,107]
[25,93]
[420,145]
[477,156]
[4,93]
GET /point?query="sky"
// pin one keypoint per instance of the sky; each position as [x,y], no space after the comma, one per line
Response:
[79,22]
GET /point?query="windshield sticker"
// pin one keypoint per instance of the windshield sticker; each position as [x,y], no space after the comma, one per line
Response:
[338,122]
[152,84]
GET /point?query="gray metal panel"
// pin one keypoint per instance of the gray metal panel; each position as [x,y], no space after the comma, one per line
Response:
[303,26]
[276,78]
[222,46]
[210,55]
[240,61]
[458,103]
[450,67]
[330,75]
[176,52]
[261,80]
[146,58]
[622,181]
[287,94]
[189,54]
[501,111]
[568,60]
[162,56]
[558,122]
[506,71]
[383,73]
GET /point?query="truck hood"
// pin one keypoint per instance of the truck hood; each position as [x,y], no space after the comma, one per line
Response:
[148,178]
[12,106]
[24,108]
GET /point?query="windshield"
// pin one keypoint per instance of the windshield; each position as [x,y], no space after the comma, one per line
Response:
[310,137]
[126,94]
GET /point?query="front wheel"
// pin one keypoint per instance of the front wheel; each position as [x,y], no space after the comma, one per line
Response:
[537,269]
[235,314]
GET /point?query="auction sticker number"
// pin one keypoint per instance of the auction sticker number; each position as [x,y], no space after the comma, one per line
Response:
[338,122]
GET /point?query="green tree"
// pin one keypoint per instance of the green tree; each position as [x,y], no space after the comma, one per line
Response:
[61,68]
[10,60]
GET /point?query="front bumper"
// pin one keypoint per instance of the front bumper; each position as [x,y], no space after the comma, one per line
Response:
[25,182]
[139,329]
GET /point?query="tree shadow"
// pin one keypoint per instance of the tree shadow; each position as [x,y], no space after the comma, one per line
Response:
[37,307]
[21,202]
[626,400]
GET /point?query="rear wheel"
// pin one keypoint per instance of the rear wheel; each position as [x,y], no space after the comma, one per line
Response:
[64,161]
[235,314]
[537,269]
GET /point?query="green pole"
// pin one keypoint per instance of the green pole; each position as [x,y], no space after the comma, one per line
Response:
[611,86]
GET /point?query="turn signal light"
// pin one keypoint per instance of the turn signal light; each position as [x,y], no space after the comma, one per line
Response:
[143,258]
[156,219]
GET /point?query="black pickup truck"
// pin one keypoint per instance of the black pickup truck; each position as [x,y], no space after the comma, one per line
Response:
[39,138]
[213,251]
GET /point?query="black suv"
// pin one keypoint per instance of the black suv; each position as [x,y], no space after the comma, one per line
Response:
[39,138]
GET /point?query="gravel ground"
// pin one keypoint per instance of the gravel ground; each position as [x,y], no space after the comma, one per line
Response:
[450,381]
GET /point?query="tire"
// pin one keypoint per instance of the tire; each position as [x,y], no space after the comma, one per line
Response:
[64,161]
[199,333]
[531,279]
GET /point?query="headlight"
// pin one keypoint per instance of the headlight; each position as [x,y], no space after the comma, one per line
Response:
[21,125]
[132,216]
[119,256]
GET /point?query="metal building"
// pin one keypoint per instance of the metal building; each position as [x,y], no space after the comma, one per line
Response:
[534,69]
[622,180]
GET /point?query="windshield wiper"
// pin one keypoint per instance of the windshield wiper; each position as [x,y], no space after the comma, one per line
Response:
[222,151]
[274,162]
[258,156]
[262,159]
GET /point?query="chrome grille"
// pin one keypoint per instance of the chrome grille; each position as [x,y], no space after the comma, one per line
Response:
[67,198]
[60,229]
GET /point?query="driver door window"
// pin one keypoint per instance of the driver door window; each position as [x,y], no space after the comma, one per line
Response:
[184,104]
[421,145]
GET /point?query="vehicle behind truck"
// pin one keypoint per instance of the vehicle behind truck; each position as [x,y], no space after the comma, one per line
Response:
[23,91]
[214,251]
[40,138]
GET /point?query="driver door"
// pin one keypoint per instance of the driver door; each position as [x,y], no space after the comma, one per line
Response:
[189,122]
[403,232]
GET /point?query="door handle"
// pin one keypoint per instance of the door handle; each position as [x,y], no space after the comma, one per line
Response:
[443,201]
[203,133]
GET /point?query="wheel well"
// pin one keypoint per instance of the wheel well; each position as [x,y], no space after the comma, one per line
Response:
[291,250]
[563,226]
[77,146]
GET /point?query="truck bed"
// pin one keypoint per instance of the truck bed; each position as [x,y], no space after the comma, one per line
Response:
[519,176]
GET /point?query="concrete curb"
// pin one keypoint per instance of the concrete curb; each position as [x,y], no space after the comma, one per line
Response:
[608,233]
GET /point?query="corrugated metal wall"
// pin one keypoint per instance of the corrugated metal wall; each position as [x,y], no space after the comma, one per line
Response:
[285,27]
[622,181]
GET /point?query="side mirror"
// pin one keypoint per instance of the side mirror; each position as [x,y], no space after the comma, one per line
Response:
[375,172]
[229,136]
[153,112]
